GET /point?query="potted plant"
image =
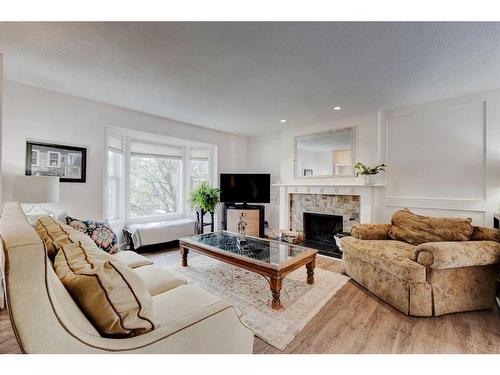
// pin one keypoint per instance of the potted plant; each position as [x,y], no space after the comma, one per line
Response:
[206,198]
[368,172]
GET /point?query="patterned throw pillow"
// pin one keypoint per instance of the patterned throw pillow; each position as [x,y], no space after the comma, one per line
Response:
[99,231]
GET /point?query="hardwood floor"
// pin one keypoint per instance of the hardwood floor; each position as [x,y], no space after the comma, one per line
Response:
[8,343]
[355,321]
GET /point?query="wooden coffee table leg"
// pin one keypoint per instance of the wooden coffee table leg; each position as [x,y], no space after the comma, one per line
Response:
[310,271]
[184,255]
[276,284]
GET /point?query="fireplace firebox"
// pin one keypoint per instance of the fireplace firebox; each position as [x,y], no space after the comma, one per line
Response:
[319,232]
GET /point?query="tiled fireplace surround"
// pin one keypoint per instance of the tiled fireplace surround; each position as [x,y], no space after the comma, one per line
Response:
[346,206]
[353,202]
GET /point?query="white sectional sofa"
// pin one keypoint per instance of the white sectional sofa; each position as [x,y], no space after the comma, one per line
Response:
[191,319]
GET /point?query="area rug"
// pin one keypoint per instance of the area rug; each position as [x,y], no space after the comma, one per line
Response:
[250,293]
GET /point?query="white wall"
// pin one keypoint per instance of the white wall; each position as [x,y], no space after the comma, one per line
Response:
[264,156]
[444,158]
[38,114]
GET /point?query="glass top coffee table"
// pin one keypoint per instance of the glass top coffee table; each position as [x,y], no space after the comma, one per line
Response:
[269,258]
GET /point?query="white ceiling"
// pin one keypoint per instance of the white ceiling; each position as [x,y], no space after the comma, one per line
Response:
[244,77]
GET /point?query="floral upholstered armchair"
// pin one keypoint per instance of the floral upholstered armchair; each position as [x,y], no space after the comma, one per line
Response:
[425,266]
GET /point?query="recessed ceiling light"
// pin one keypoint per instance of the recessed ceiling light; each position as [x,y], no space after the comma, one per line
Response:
[337,108]
[283,121]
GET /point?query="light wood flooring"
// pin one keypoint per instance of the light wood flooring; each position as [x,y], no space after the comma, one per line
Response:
[355,321]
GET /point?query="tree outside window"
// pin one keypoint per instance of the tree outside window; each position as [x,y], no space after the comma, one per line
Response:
[199,173]
[155,184]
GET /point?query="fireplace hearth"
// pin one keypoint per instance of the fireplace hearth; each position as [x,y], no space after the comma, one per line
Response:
[319,232]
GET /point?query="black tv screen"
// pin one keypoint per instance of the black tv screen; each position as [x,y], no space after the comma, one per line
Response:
[245,188]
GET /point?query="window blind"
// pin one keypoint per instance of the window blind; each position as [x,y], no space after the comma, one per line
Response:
[115,142]
[155,149]
[200,153]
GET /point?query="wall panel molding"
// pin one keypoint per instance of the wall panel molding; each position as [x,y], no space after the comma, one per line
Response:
[427,162]
[440,157]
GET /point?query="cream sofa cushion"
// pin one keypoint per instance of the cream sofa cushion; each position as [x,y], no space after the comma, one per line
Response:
[110,294]
[159,280]
[131,259]
[182,301]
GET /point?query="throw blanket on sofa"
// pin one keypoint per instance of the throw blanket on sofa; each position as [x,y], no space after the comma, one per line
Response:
[164,231]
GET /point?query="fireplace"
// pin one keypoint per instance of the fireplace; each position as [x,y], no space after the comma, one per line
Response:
[319,231]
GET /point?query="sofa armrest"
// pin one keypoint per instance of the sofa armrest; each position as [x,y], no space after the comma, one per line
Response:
[446,255]
[485,234]
[371,231]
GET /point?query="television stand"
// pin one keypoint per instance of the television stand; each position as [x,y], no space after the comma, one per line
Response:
[254,216]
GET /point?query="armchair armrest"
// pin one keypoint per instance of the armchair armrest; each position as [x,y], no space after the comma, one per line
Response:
[371,231]
[446,255]
[485,234]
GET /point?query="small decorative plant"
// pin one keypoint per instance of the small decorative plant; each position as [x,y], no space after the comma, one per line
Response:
[205,197]
[365,170]
[368,171]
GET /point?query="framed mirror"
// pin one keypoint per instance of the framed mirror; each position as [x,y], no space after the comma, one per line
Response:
[325,154]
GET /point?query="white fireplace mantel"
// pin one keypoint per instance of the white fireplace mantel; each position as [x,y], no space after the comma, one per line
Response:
[365,192]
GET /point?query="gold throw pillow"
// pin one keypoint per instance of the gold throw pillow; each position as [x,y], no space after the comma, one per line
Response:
[56,234]
[52,231]
[110,294]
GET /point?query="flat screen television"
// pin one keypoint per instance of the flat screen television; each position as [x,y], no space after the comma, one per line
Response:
[245,188]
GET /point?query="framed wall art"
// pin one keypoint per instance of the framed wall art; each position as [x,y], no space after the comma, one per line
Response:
[47,159]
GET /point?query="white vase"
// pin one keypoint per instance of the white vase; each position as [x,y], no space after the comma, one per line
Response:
[369,179]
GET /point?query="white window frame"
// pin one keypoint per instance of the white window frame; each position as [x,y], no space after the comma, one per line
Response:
[58,159]
[120,219]
[191,180]
[189,174]
[37,163]
[129,136]
[118,180]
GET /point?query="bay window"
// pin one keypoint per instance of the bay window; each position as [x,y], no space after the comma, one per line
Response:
[153,178]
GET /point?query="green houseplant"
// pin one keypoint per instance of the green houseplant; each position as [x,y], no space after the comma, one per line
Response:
[368,172]
[205,197]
